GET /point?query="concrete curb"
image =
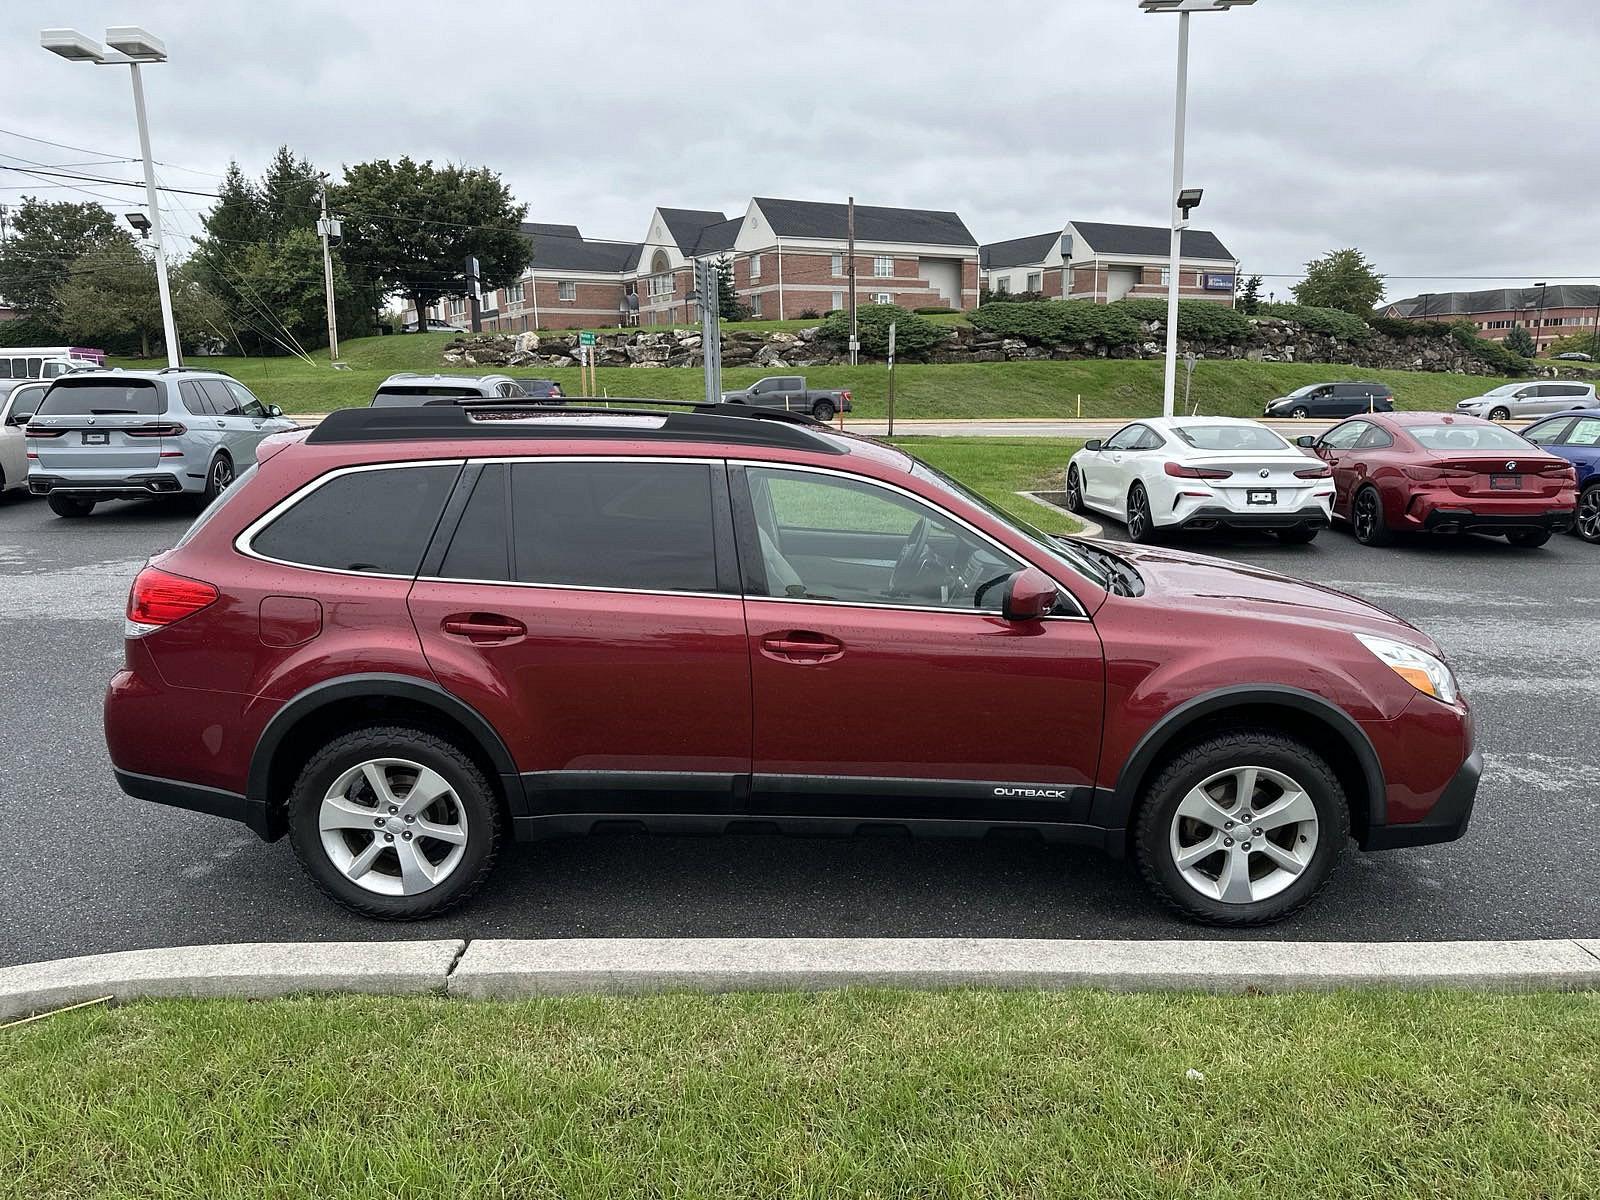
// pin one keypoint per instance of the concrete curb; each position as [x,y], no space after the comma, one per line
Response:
[508,969]
[1090,528]
[493,968]
[248,970]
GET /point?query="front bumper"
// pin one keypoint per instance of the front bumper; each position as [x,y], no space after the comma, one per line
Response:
[107,487]
[1445,822]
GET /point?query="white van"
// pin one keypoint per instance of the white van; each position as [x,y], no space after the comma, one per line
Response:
[46,362]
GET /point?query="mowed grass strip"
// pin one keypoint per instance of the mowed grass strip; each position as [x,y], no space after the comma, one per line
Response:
[1094,387]
[848,1094]
[999,468]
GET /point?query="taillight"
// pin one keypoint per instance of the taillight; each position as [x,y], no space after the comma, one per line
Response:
[41,431]
[1179,471]
[1322,472]
[158,598]
[169,429]
[1424,474]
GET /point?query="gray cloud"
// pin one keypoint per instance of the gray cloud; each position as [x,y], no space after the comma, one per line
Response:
[1444,137]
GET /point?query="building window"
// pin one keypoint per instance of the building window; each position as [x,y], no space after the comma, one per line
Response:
[837,268]
[838,301]
[755,266]
[566,291]
[1002,285]
[514,294]
[755,305]
[1035,281]
[882,298]
[661,285]
[883,265]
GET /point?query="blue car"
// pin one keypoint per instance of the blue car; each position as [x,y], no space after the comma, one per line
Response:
[1575,436]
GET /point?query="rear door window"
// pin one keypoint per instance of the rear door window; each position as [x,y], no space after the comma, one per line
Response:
[480,548]
[641,526]
[223,402]
[370,520]
[69,397]
[1585,433]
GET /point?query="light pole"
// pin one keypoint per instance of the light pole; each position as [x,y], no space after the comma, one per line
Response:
[130,45]
[1180,214]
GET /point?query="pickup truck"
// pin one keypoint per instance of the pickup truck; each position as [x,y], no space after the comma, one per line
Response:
[790,392]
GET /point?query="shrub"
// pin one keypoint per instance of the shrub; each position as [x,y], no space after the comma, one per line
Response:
[1198,320]
[1396,328]
[914,336]
[809,314]
[1489,353]
[1333,322]
[1058,322]
[933,311]
[1577,343]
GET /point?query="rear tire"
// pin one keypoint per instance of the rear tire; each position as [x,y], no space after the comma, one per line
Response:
[1367,520]
[1528,539]
[823,410]
[1297,535]
[1074,490]
[219,478]
[1207,779]
[1141,525]
[70,506]
[335,783]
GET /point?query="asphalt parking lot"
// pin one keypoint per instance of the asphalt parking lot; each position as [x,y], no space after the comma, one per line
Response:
[86,869]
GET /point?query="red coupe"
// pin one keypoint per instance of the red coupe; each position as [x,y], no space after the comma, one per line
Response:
[1437,472]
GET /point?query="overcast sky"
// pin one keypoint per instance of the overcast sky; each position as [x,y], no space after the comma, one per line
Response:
[1442,137]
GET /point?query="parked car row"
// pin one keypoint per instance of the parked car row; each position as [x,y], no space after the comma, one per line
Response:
[1381,473]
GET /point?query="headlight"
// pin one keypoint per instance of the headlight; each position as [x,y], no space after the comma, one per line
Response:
[1417,667]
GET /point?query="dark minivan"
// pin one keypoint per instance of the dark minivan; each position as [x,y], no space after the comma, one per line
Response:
[1332,400]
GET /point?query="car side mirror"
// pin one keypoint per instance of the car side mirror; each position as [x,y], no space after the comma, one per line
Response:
[274,411]
[1029,595]
[1306,440]
[1093,444]
[19,418]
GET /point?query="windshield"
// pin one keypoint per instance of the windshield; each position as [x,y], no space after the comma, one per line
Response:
[1064,551]
[1466,437]
[1231,437]
[1505,389]
[102,398]
[1305,391]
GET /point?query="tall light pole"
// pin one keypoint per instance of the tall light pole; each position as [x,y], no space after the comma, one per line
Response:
[130,45]
[1180,213]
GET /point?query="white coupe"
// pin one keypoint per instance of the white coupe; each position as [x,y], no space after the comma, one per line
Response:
[1200,473]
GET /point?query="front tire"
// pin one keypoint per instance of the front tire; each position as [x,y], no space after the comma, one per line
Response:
[1499,414]
[823,410]
[374,843]
[1141,525]
[1297,535]
[1300,413]
[1242,829]
[70,506]
[1528,539]
[1587,526]
[1074,490]
[1367,520]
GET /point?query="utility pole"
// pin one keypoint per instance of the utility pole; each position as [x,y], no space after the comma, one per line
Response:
[891,380]
[168,325]
[472,294]
[329,230]
[850,242]
[1538,329]
[708,284]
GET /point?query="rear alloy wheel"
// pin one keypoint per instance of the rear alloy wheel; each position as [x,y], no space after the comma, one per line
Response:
[1366,518]
[1074,490]
[1499,414]
[1141,527]
[70,506]
[219,478]
[1242,829]
[394,822]
[823,410]
[1587,525]
[1297,535]
[1528,539]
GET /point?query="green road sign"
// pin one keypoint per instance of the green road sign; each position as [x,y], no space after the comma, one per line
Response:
[586,339]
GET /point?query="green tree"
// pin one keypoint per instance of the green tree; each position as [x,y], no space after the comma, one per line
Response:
[111,298]
[1587,342]
[409,227]
[1249,301]
[1341,279]
[289,196]
[728,306]
[1520,341]
[46,238]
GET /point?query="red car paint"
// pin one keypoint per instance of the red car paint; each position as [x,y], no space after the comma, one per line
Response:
[1425,488]
[817,710]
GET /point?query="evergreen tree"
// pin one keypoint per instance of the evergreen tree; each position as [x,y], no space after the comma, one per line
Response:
[728,306]
[1250,297]
[1520,341]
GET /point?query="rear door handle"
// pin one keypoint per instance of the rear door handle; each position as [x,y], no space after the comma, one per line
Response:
[483,629]
[221,424]
[802,646]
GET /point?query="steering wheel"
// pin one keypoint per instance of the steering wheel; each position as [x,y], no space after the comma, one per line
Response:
[910,562]
[986,586]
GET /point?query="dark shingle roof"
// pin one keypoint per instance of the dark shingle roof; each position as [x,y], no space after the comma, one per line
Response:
[816,219]
[562,248]
[686,225]
[1018,252]
[716,238]
[1151,240]
[533,228]
[1460,304]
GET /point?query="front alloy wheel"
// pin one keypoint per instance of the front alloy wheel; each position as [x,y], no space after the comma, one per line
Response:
[1243,834]
[1588,523]
[1074,490]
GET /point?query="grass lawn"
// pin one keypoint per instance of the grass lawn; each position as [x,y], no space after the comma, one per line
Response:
[1107,387]
[1002,467]
[849,1094]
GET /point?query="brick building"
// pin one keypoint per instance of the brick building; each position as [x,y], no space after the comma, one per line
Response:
[1548,313]
[1092,260]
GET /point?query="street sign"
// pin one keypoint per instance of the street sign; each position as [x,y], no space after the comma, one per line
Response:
[586,338]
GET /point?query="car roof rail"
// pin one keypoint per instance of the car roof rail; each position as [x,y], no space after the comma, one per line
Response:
[509,418]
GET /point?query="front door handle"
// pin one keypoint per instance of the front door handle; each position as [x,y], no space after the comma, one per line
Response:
[483,629]
[801,646]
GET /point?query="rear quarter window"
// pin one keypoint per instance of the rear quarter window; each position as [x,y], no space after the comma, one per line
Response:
[370,520]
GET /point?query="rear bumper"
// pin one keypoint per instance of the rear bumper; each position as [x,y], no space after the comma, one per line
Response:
[1445,821]
[103,487]
[1211,516]
[195,798]
[1459,520]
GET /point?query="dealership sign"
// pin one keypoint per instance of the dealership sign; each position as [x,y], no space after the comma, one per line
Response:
[1218,283]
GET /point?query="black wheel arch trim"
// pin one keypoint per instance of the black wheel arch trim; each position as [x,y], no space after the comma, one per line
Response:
[351,687]
[1122,800]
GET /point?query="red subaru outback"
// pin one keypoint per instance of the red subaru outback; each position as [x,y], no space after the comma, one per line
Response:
[415,632]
